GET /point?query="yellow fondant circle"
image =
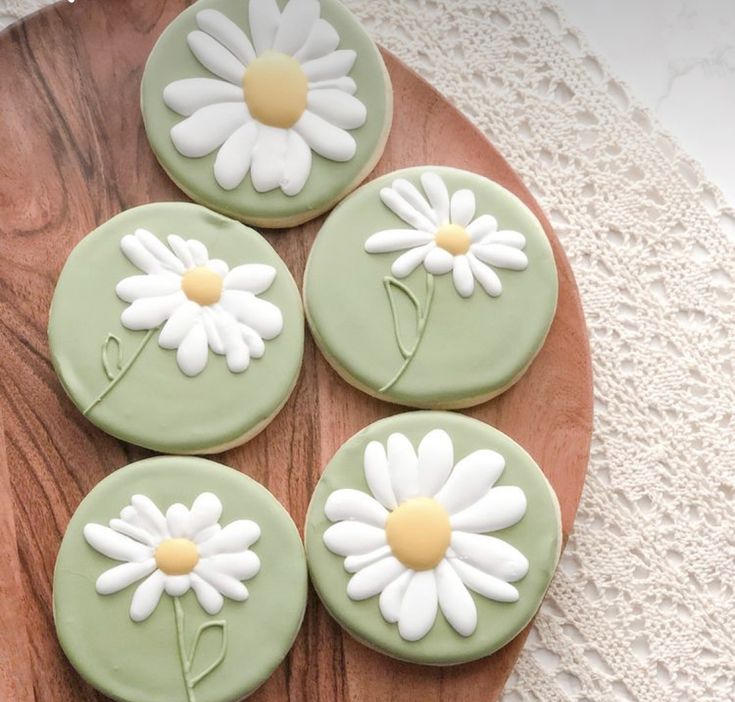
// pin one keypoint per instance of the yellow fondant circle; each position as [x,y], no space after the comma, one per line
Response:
[275,88]
[202,285]
[453,238]
[177,556]
[418,533]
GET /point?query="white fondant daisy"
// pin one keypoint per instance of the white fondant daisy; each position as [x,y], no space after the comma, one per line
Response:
[419,541]
[280,93]
[445,236]
[185,549]
[200,302]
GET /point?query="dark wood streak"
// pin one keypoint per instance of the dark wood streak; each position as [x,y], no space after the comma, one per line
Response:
[74,154]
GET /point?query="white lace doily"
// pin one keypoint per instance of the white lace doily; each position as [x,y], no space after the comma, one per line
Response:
[643,605]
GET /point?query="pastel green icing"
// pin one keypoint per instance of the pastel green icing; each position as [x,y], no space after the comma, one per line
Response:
[139,661]
[155,404]
[171,59]
[472,348]
[537,536]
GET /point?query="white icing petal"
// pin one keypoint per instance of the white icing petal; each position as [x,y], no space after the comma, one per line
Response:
[438,195]
[483,584]
[462,207]
[115,545]
[214,338]
[241,566]
[260,315]
[371,580]
[192,352]
[177,585]
[410,193]
[297,165]
[455,601]
[119,577]
[403,467]
[405,210]
[355,504]
[153,244]
[179,325]
[324,138]
[177,519]
[206,534]
[337,107]
[264,19]
[493,556]
[236,536]
[250,277]
[330,67]
[150,517]
[470,480]
[235,156]
[146,596]
[236,350]
[227,33]
[464,281]
[483,226]
[407,262]
[139,256]
[438,261]
[150,285]
[204,513]
[396,240]
[436,458]
[353,538]
[180,248]
[392,597]
[218,266]
[345,83]
[297,21]
[230,587]
[208,128]
[210,600]
[322,40]
[487,277]
[501,256]
[506,237]
[215,57]
[354,563]
[419,606]
[377,475]
[269,158]
[149,312]
[198,251]
[502,507]
[188,95]
[253,340]
[134,532]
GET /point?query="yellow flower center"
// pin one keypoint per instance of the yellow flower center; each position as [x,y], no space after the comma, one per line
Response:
[453,238]
[177,556]
[202,285]
[418,533]
[275,89]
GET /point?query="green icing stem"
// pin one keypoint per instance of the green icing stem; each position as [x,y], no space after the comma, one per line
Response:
[389,281]
[105,362]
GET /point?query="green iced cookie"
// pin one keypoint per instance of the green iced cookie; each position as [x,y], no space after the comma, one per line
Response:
[178,580]
[175,328]
[432,537]
[431,287]
[268,111]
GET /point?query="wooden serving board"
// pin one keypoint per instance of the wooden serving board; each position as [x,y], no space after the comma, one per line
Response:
[73,153]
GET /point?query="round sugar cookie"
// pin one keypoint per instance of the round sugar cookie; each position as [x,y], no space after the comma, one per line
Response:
[178,579]
[177,329]
[431,287]
[269,111]
[432,537]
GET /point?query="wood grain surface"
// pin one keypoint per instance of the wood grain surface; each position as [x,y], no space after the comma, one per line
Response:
[73,153]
